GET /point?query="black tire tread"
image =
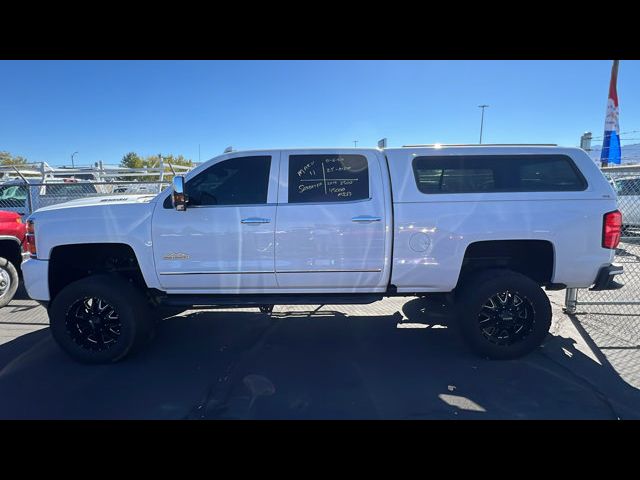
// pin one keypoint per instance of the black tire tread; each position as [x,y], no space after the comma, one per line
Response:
[132,303]
[475,289]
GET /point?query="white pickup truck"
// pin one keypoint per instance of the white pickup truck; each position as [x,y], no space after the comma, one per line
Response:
[493,225]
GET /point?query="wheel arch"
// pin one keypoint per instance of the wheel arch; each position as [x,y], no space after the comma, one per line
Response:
[71,262]
[11,249]
[534,258]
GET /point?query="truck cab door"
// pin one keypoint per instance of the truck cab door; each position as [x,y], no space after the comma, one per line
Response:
[331,230]
[224,241]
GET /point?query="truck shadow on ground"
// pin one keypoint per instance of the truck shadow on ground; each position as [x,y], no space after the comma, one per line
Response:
[300,365]
[21,303]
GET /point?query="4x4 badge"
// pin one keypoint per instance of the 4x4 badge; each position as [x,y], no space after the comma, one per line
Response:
[176,256]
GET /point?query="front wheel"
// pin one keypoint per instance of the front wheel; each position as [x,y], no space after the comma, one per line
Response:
[8,281]
[503,314]
[100,319]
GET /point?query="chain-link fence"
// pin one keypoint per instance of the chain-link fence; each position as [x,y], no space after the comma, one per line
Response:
[626,182]
[25,196]
[611,317]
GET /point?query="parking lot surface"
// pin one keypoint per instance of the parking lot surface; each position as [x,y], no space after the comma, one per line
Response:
[395,359]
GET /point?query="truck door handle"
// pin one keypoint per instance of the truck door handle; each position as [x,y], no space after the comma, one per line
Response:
[252,220]
[365,219]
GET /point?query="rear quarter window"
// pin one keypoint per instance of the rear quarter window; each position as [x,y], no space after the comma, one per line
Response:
[497,173]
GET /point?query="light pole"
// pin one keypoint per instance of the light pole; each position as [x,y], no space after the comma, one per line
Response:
[73,164]
[482,120]
[355,143]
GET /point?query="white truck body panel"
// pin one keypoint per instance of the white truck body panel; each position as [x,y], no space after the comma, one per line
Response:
[417,245]
[320,245]
[225,255]
[125,220]
[448,223]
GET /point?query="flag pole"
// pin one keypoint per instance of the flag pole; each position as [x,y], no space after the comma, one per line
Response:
[611,151]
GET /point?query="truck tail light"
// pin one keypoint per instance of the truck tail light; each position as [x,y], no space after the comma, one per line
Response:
[611,229]
[31,238]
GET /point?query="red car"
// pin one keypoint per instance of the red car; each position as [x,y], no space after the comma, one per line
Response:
[12,251]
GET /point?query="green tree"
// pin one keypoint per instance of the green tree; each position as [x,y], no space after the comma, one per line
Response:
[154,160]
[133,160]
[7,159]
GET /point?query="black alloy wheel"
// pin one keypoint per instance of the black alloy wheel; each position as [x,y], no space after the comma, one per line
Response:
[502,314]
[101,318]
[506,318]
[93,324]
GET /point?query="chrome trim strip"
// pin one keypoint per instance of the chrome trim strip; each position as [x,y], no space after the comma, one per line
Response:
[279,271]
[209,273]
[282,204]
[373,270]
[234,205]
[325,203]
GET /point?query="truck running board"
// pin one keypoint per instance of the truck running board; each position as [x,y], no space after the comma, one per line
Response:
[243,301]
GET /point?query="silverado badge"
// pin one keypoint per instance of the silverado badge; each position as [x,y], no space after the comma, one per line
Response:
[176,256]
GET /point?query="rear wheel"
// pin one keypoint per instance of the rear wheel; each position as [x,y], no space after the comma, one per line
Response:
[503,314]
[9,280]
[100,319]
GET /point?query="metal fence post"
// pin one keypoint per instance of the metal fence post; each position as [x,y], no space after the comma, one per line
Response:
[570,300]
[28,185]
[29,199]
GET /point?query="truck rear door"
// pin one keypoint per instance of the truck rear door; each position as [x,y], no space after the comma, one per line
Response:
[331,221]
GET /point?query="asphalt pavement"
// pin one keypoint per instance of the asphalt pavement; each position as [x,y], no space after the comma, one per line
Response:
[400,358]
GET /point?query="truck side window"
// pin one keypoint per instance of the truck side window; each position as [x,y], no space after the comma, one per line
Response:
[328,178]
[237,181]
[497,173]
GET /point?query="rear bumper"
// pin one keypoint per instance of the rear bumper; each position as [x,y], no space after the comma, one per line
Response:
[36,278]
[605,279]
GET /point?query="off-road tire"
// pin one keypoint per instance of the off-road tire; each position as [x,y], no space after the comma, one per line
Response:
[524,303]
[130,308]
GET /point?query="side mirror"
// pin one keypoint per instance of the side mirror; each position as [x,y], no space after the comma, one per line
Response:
[178,197]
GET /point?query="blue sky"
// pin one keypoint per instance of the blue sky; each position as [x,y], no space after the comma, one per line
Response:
[104,109]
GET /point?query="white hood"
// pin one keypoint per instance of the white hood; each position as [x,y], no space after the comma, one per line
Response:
[105,200]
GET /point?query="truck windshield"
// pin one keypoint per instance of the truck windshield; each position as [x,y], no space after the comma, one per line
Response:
[13,195]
